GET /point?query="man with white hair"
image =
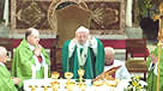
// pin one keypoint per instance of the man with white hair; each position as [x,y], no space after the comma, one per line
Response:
[6,81]
[29,55]
[122,72]
[83,52]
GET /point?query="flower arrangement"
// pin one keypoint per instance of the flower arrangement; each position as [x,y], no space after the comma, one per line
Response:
[135,84]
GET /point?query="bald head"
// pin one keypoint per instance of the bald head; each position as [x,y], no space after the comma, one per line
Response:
[32,36]
[31,31]
[82,34]
[3,54]
[109,55]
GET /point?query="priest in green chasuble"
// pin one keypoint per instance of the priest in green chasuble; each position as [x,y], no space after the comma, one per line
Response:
[7,83]
[152,62]
[30,58]
[83,51]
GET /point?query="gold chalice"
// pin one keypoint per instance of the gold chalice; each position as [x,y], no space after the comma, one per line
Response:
[55,75]
[55,85]
[81,84]
[81,74]
[69,84]
[33,87]
[68,76]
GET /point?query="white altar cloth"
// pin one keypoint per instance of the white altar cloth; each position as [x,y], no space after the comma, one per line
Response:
[46,82]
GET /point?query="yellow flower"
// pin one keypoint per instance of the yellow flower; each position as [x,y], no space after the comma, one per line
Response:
[139,87]
[137,77]
[134,83]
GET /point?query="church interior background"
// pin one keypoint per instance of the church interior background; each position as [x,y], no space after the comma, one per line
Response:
[112,21]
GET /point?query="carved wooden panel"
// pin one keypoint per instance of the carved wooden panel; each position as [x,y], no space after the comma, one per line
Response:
[30,13]
[107,16]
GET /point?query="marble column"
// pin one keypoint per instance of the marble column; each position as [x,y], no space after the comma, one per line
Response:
[129,13]
[6,12]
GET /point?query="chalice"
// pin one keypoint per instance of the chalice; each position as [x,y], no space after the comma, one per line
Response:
[81,84]
[55,75]
[55,85]
[69,84]
[81,74]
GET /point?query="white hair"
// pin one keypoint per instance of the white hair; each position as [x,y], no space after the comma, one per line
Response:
[2,50]
[110,49]
[82,29]
[34,31]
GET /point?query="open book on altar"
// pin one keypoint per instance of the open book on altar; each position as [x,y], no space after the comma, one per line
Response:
[107,74]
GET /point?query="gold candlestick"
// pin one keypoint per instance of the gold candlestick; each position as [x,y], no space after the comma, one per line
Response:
[33,87]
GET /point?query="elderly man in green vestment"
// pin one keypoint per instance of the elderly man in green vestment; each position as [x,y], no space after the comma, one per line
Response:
[30,58]
[6,81]
[84,51]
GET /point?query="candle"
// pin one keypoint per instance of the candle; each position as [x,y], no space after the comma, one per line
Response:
[33,72]
[45,71]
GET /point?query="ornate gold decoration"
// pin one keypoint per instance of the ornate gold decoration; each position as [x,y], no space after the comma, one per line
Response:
[107,75]
[52,11]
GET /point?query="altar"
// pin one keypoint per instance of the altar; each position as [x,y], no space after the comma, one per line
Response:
[41,84]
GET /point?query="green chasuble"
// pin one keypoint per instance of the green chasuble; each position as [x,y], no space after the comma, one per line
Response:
[23,60]
[6,82]
[152,77]
[94,64]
